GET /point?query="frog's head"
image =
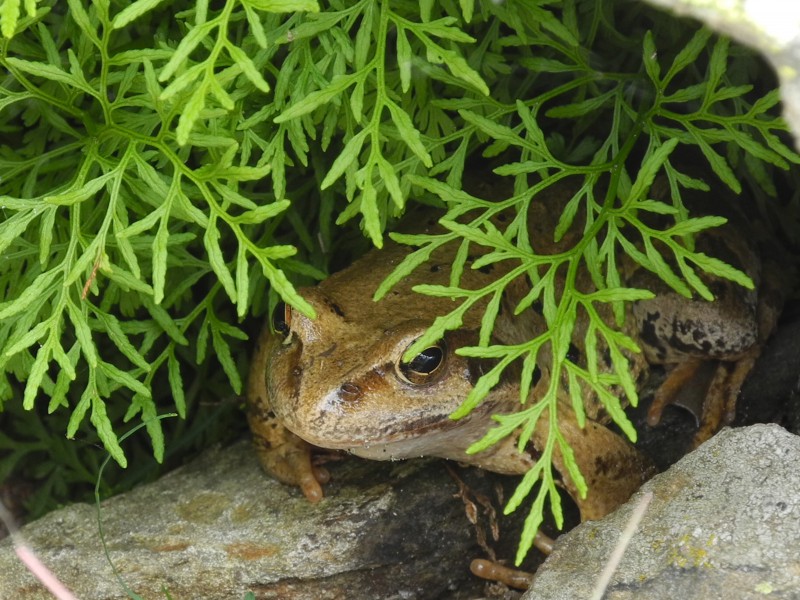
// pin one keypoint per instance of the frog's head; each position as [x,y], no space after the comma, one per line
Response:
[340,381]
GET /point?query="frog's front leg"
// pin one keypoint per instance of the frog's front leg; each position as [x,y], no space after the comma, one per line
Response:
[281,453]
[612,467]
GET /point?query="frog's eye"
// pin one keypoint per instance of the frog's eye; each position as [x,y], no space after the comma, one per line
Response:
[424,366]
[282,318]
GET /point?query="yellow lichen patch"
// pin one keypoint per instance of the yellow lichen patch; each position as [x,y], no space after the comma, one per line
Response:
[765,587]
[687,553]
[242,513]
[249,551]
[204,508]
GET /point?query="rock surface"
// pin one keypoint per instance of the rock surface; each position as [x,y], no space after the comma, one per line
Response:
[219,528]
[724,523]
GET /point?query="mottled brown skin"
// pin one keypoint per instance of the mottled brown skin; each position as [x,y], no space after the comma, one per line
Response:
[336,382]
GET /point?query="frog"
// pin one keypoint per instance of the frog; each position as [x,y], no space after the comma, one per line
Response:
[342,381]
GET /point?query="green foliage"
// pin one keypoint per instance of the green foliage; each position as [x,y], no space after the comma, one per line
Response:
[107,201]
[161,166]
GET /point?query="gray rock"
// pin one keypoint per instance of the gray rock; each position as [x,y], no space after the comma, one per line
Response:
[724,523]
[219,528]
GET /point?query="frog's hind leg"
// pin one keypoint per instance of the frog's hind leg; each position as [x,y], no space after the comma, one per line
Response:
[711,346]
[706,388]
[733,337]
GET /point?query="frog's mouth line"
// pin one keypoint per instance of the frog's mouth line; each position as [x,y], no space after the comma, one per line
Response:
[431,435]
[395,432]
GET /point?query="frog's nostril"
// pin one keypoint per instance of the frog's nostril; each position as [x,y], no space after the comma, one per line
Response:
[350,392]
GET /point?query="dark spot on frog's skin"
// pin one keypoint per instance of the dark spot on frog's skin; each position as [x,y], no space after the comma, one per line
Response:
[609,466]
[537,307]
[261,442]
[258,412]
[327,352]
[689,329]
[336,308]
[486,269]
[436,268]
[601,466]
[698,336]
[649,336]
[531,451]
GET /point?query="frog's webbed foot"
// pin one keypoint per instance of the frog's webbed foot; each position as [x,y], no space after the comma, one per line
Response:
[714,405]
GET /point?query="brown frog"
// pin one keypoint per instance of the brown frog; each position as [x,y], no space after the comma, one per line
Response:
[340,381]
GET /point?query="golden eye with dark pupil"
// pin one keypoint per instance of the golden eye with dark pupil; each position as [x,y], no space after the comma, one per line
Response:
[424,365]
[282,318]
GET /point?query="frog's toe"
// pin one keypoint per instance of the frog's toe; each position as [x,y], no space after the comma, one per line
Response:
[667,392]
[714,403]
[292,464]
[719,407]
[311,484]
[288,458]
